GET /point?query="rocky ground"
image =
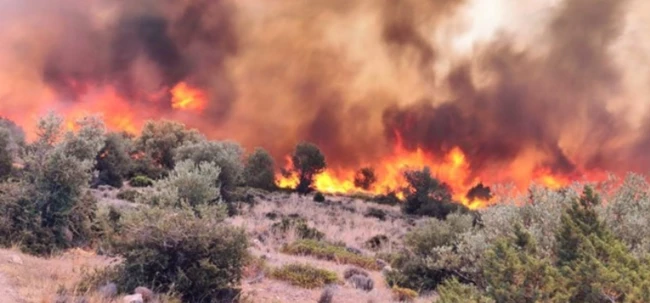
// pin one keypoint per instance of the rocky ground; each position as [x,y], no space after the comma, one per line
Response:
[341,219]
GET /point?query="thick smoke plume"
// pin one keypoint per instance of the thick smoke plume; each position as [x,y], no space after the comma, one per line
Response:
[517,86]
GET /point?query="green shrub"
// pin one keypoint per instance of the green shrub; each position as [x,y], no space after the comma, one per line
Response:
[319,197]
[188,250]
[452,291]
[113,160]
[308,161]
[387,199]
[376,213]
[305,275]
[259,171]
[130,195]
[326,251]
[427,196]
[141,181]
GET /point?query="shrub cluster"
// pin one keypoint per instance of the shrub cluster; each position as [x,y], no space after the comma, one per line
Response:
[305,275]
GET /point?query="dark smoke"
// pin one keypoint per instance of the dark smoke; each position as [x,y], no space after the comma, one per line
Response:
[531,101]
[188,43]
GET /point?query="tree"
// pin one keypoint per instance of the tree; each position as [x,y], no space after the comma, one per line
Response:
[365,178]
[514,272]
[600,266]
[113,160]
[427,196]
[160,139]
[226,155]
[308,161]
[259,171]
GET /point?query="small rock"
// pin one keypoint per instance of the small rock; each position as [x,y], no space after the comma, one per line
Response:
[108,291]
[146,293]
[362,282]
[16,260]
[354,250]
[137,298]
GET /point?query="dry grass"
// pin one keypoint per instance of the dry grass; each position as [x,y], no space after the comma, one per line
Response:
[38,280]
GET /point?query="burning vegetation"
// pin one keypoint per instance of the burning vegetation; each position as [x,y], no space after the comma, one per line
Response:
[381,87]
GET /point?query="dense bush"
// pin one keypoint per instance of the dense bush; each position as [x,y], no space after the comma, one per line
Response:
[300,226]
[186,250]
[376,213]
[6,156]
[427,196]
[141,181]
[50,207]
[130,195]
[188,183]
[226,155]
[159,140]
[259,171]
[308,161]
[304,275]
[113,160]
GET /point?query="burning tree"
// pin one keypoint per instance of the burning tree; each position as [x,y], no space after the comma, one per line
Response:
[308,161]
[427,196]
[365,178]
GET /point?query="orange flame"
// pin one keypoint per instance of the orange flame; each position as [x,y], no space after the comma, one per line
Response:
[185,97]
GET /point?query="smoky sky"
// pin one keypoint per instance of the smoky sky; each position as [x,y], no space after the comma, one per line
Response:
[350,76]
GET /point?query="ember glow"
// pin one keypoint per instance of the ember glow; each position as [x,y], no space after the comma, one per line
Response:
[480,91]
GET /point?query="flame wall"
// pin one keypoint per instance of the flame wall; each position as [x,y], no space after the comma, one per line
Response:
[539,89]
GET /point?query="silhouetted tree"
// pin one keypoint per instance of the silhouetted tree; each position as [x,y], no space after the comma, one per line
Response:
[365,178]
[480,192]
[307,161]
[427,196]
[113,160]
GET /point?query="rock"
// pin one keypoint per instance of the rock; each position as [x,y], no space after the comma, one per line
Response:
[386,270]
[352,271]
[137,298]
[327,295]
[16,260]
[108,291]
[362,282]
[354,250]
[146,293]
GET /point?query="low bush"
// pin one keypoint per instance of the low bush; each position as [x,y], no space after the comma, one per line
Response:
[130,195]
[388,199]
[352,271]
[319,197]
[304,275]
[302,229]
[326,251]
[361,282]
[187,250]
[141,181]
[376,213]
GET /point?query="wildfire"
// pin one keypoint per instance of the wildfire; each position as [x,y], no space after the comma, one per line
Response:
[452,168]
[185,97]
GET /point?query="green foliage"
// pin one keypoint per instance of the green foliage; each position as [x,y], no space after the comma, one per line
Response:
[305,275]
[515,274]
[427,196]
[189,251]
[387,199]
[226,155]
[452,291]
[308,161]
[431,256]
[160,139]
[6,157]
[377,242]
[130,195]
[319,197]
[259,171]
[365,178]
[141,181]
[600,266]
[376,213]
[113,160]
[189,184]
[326,251]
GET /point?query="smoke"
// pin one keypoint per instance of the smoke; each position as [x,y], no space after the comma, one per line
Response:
[516,85]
